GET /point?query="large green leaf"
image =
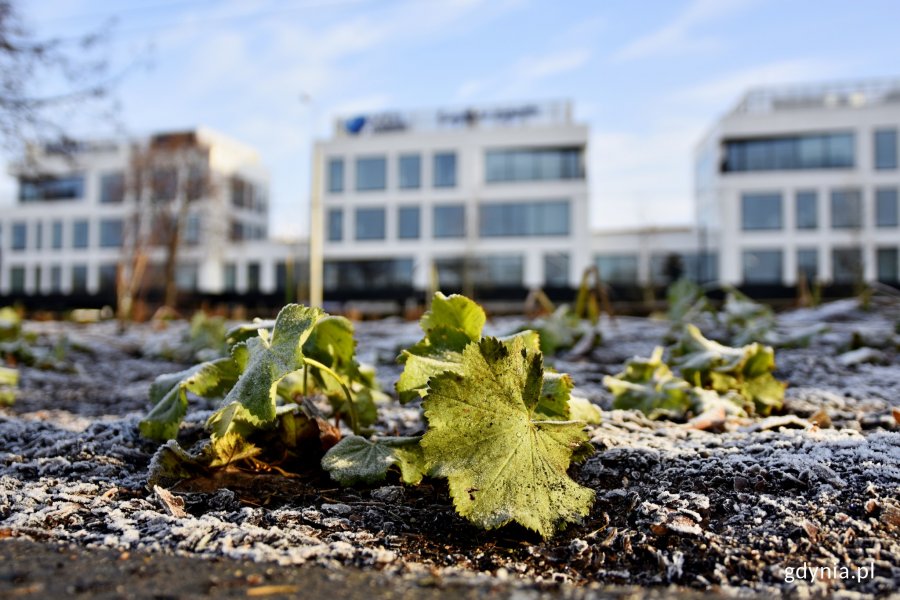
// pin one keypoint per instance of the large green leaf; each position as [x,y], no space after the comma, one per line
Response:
[501,463]
[648,385]
[454,313]
[357,460]
[265,360]
[168,393]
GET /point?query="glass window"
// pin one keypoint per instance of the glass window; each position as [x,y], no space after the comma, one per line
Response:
[80,234]
[230,277]
[19,235]
[846,265]
[886,207]
[56,235]
[164,184]
[335,175]
[761,211]
[192,227]
[618,268]
[762,266]
[371,173]
[410,166]
[112,188]
[39,235]
[349,275]
[811,151]
[888,265]
[449,221]
[17,280]
[807,213]
[508,219]
[808,264]
[498,271]
[445,169]
[846,209]
[370,223]
[538,164]
[452,273]
[335,225]
[253,271]
[70,187]
[55,279]
[186,276]
[79,279]
[38,275]
[198,182]
[556,269]
[885,148]
[108,273]
[408,218]
[111,233]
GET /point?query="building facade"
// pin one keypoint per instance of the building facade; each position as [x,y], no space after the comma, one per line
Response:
[802,183]
[477,199]
[83,209]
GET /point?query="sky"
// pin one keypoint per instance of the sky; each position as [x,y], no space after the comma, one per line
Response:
[648,77]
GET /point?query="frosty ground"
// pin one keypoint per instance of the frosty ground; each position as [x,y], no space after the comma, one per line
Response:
[729,511]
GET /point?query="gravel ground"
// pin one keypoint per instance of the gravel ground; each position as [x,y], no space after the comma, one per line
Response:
[737,511]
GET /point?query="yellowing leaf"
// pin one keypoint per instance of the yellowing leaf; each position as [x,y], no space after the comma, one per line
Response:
[501,463]
[357,460]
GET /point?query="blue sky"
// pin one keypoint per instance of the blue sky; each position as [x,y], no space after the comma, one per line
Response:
[648,77]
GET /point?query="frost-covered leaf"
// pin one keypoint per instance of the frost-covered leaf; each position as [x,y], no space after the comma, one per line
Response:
[555,391]
[357,460]
[245,331]
[648,385]
[454,313]
[746,370]
[264,361]
[171,462]
[168,393]
[9,381]
[582,409]
[501,463]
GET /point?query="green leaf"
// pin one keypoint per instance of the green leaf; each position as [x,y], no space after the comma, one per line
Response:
[454,313]
[418,369]
[171,462]
[245,331]
[9,381]
[356,460]
[168,393]
[502,465]
[265,361]
[555,391]
[648,385]
[582,409]
[331,343]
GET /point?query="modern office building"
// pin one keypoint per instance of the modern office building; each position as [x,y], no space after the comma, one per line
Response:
[82,207]
[483,199]
[804,180]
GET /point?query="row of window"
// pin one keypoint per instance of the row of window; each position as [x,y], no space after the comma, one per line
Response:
[110,235]
[764,211]
[767,266]
[495,219]
[834,150]
[622,268]
[522,164]
[77,274]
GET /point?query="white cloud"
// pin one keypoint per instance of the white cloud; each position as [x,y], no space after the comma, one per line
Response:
[680,34]
[541,67]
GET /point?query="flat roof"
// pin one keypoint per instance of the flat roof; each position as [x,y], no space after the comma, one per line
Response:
[847,94]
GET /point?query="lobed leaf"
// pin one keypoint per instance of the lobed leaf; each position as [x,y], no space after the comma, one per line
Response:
[356,460]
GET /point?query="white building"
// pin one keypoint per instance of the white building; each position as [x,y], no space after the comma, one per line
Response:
[483,198]
[79,211]
[804,179]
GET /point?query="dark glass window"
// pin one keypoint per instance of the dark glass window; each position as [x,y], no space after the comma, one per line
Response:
[537,164]
[556,269]
[192,229]
[503,270]
[762,266]
[17,280]
[618,268]
[761,211]
[164,184]
[700,267]
[846,209]
[56,235]
[187,276]
[846,265]
[335,225]
[107,275]
[79,279]
[808,264]
[39,235]
[55,279]
[812,151]
[449,221]
[367,275]
[370,223]
[886,207]
[887,265]
[111,233]
[410,166]
[445,170]
[886,149]
[112,188]
[335,175]
[509,219]
[253,271]
[408,218]
[371,173]
[230,277]
[19,235]
[807,213]
[70,187]
[80,234]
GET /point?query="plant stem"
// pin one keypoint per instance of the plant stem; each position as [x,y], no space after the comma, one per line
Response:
[354,417]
